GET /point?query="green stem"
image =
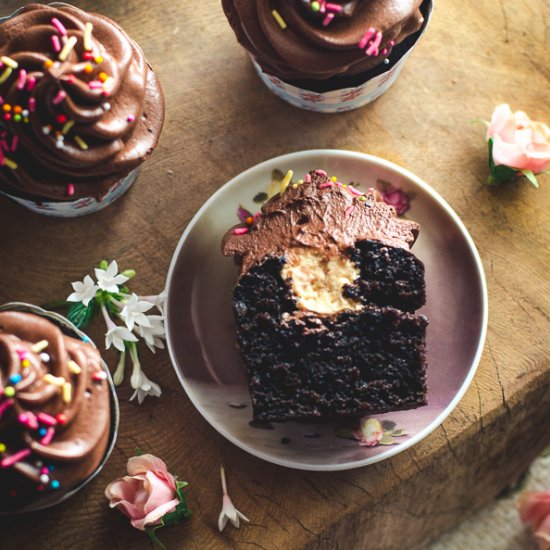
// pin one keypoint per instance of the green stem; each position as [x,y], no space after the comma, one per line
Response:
[56,304]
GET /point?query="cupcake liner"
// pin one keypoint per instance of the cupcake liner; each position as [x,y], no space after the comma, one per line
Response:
[345,99]
[78,207]
[69,328]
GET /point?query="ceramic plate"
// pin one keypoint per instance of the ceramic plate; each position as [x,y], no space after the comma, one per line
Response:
[201,329]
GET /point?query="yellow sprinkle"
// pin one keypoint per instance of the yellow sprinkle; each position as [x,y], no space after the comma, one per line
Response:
[40,346]
[108,83]
[5,75]
[300,182]
[88,68]
[279,19]
[48,63]
[67,48]
[88,28]
[334,178]
[54,380]
[74,368]
[67,127]
[2,448]
[9,62]
[25,363]
[81,143]
[10,164]
[67,392]
[102,76]
[286,180]
[344,186]
[294,186]
[98,59]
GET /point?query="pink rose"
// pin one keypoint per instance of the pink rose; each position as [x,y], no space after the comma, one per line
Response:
[397,198]
[519,142]
[146,494]
[534,510]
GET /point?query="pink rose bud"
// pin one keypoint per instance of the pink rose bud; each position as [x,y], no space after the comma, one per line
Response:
[534,510]
[397,198]
[519,142]
[146,494]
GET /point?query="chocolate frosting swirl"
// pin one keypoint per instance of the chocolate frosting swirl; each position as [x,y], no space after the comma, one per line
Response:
[309,49]
[322,215]
[85,121]
[79,422]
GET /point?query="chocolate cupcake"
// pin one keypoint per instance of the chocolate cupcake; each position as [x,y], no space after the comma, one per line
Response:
[58,409]
[328,56]
[325,304]
[80,109]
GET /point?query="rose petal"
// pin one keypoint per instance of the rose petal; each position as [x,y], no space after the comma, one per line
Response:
[144,463]
[128,509]
[154,516]
[542,534]
[534,506]
[502,123]
[159,492]
[122,489]
[509,154]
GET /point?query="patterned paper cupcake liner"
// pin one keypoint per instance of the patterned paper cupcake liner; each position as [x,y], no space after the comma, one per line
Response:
[345,99]
[78,207]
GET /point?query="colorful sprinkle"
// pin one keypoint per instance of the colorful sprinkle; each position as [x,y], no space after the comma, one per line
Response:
[31,83]
[61,95]
[44,478]
[67,127]
[47,439]
[54,380]
[279,19]
[22,79]
[99,375]
[131,118]
[48,64]
[59,26]
[9,62]
[25,363]
[9,391]
[44,357]
[32,104]
[2,448]
[88,68]
[81,143]
[61,418]
[67,392]
[67,48]
[54,484]
[70,193]
[87,42]
[15,379]
[5,75]
[240,231]
[39,346]
[5,405]
[46,419]
[11,460]
[285,182]
[325,185]
[56,44]
[328,18]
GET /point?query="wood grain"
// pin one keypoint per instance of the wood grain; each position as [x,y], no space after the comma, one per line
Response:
[220,121]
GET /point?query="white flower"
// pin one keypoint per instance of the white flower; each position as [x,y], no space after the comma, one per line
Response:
[139,380]
[116,336]
[109,279]
[229,512]
[84,291]
[153,334]
[133,312]
[158,300]
[118,376]
[147,387]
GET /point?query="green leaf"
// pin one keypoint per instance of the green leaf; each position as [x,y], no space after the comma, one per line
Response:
[399,433]
[81,315]
[344,432]
[56,304]
[388,425]
[531,177]
[260,197]
[387,439]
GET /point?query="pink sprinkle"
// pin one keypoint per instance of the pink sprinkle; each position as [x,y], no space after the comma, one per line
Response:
[334,7]
[11,460]
[44,470]
[257,216]
[32,104]
[354,191]
[31,83]
[71,79]
[32,422]
[70,189]
[95,84]
[240,231]
[46,419]
[338,184]
[21,353]
[59,26]
[1,100]
[320,172]
[23,418]
[14,143]
[373,48]
[348,210]
[131,118]
[100,375]
[22,79]
[391,43]
[325,185]
[328,18]
[308,178]
[384,51]
[366,37]
[47,439]
[56,44]
[4,406]
[61,95]
[323,8]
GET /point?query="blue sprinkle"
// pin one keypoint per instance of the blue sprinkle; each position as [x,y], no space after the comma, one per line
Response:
[85,339]
[15,378]
[42,432]
[54,484]
[51,467]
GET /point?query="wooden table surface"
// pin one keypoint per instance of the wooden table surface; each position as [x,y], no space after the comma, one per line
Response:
[220,121]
